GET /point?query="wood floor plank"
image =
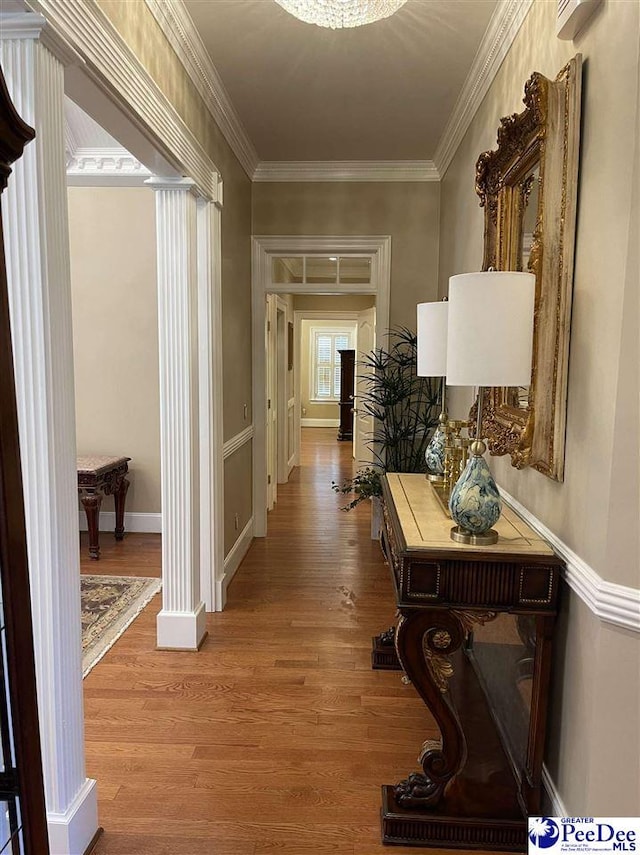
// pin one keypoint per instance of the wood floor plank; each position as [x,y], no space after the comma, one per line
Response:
[277,736]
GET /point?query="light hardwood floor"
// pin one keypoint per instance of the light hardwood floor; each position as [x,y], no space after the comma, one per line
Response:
[277,735]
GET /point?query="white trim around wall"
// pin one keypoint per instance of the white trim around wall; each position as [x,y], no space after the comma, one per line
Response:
[557,805]
[181,33]
[133,522]
[612,603]
[313,423]
[346,170]
[233,560]
[111,69]
[496,43]
[237,441]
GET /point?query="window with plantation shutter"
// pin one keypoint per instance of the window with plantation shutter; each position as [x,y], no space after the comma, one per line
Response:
[326,362]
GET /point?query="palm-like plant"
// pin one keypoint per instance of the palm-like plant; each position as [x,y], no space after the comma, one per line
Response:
[405,410]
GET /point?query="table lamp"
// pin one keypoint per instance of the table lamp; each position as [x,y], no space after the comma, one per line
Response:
[489,343]
[432,362]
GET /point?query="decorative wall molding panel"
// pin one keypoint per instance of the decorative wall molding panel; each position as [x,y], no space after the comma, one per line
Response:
[133,522]
[237,441]
[178,27]
[233,561]
[612,603]
[347,170]
[497,40]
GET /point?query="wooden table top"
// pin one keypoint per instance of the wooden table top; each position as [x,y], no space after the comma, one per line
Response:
[426,526]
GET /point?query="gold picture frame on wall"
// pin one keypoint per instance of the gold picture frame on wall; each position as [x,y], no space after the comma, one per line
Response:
[528,188]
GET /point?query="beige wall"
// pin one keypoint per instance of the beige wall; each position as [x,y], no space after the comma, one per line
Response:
[140,30]
[115,332]
[595,511]
[406,211]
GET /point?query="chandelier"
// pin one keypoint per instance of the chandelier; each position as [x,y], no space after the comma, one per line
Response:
[337,14]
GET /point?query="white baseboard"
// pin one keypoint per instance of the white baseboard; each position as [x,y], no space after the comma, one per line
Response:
[134,522]
[557,805]
[232,561]
[73,830]
[320,422]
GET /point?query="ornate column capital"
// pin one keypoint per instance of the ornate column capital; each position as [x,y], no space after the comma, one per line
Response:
[170,182]
[24,26]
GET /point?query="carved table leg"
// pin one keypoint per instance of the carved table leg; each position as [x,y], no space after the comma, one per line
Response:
[424,640]
[120,496]
[91,503]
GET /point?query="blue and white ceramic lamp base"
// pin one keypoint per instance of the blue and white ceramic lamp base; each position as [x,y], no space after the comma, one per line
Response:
[474,502]
[434,454]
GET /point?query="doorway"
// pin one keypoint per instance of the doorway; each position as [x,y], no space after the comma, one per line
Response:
[290,268]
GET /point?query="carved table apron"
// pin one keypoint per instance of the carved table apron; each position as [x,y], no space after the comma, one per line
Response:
[478,781]
[100,476]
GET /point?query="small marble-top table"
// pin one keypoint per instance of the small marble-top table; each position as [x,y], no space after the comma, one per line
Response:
[98,476]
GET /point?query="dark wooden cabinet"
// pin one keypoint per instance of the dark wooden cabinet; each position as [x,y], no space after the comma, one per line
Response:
[474,637]
[347,381]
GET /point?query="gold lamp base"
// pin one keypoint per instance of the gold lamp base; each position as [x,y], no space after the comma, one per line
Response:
[435,478]
[485,539]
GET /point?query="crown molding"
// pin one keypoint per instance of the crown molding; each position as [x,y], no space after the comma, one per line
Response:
[346,170]
[497,40]
[105,167]
[612,603]
[180,31]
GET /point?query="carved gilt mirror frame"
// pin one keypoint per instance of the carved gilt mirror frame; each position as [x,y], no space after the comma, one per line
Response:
[536,165]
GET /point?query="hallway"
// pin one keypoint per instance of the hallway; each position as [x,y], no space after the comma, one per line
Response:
[277,735]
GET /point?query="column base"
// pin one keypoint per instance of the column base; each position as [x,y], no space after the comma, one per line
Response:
[75,829]
[181,630]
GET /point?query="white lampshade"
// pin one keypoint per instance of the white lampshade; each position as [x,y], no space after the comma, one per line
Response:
[432,339]
[490,330]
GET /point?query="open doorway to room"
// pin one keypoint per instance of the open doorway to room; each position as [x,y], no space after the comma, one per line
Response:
[324,295]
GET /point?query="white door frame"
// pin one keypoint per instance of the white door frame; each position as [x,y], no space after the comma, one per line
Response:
[282,397]
[263,248]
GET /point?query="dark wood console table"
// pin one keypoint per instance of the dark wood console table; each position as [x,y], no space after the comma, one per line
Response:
[100,476]
[474,636]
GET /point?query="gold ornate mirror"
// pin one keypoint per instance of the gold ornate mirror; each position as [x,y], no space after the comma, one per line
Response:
[528,188]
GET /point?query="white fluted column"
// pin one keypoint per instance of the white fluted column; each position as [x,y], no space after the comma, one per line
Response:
[210,403]
[181,622]
[34,211]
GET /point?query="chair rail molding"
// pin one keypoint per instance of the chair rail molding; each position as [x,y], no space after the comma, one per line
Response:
[378,247]
[496,42]
[236,442]
[612,603]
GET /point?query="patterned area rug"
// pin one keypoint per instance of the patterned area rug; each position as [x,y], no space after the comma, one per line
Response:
[109,605]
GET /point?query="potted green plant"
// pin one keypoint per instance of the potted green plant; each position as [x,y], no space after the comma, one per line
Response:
[405,410]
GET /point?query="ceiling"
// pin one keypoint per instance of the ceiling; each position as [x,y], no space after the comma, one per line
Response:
[383,92]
